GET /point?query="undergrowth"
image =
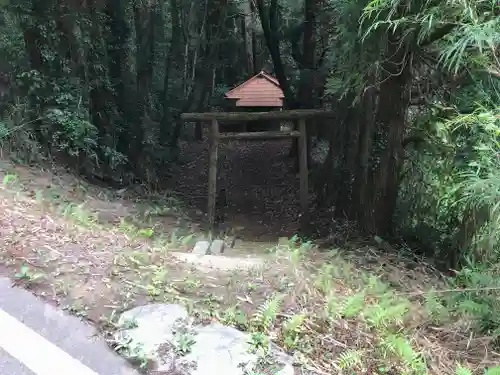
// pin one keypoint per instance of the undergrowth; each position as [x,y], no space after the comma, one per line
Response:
[342,322]
[331,316]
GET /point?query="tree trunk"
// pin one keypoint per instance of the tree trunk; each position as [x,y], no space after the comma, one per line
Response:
[367,110]
[117,53]
[144,17]
[248,35]
[306,65]
[269,21]
[379,198]
[174,50]
[35,41]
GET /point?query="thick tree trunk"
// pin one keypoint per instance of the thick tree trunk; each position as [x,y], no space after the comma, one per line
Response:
[380,197]
[35,41]
[307,66]
[117,53]
[144,17]
[366,120]
[367,155]
[248,35]
[101,100]
[269,21]
[166,128]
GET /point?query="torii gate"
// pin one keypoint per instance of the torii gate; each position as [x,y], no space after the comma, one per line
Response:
[215,137]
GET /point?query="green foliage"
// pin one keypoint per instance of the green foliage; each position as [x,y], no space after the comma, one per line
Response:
[436,309]
[450,192]
[29,276]
[465,371]
[457,182]
[292,329]
[399,346]
[479,298]
[266,314]
[103,88]
[462,371]
[349,359]
[9,178]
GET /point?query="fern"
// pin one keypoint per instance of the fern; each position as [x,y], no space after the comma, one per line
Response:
[389,311]
[436,310]
[293,325]
[462,371]
[266,314]
[472,308]
[353,305]
[291,330]
[324,280]
[399,346]
[333,307]
[349,359]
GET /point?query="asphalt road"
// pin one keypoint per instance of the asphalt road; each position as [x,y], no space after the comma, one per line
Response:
[10,365]
[39,339]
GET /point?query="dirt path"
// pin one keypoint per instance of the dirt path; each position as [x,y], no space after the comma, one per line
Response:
[261,188]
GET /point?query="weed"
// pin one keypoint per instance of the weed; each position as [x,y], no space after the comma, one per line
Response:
[137,354]
[259,343]
[9,179]
[350,359]
[129,324]
[146,232]
[190,284]
[233,316]
[251,287]
[78,309]
[184,337]
[183,343]
[264,318]
[79,214]
[27,275]
[326,312]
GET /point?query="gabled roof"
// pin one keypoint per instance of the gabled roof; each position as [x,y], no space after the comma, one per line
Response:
[235,93]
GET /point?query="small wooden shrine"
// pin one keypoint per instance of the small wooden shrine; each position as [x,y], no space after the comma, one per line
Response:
[261,93]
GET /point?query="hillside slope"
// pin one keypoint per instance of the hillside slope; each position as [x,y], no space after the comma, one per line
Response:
[98,252]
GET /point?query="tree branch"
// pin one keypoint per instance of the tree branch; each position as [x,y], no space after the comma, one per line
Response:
[321,59]
[294,41]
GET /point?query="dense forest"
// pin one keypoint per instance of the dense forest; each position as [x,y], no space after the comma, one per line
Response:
[100,86]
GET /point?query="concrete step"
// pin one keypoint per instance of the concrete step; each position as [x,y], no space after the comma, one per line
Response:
[209,262]
[232,247]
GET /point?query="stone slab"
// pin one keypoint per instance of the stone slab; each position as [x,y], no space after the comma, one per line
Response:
[201,248]
[220,262]
[217,247]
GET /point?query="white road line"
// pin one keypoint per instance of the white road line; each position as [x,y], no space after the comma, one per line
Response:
[35,352]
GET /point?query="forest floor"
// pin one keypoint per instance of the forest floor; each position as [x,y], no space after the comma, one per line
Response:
[98,252]
[261,187]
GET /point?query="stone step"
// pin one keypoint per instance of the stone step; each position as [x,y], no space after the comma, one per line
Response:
[220,262]
[219,246]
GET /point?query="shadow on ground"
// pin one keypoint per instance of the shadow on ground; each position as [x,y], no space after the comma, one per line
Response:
[258,177]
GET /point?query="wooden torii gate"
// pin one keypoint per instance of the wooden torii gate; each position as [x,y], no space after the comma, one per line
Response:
[299,115]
